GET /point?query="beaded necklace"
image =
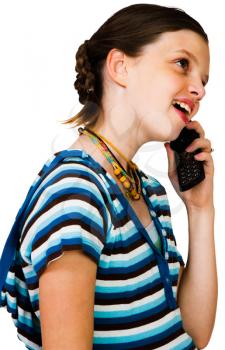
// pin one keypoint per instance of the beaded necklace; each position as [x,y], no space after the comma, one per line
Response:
[129,178]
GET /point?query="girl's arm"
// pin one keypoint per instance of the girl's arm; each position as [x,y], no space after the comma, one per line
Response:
[198,289]
[197,293]
[66,290]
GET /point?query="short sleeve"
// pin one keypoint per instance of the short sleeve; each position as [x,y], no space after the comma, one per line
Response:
[72,216]
[165,216]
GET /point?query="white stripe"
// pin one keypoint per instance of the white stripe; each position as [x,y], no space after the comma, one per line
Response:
[174,342]
[28,271]
[165,219]
[56,237]
[128,256]
[11,277]
[162,197]
[119,307]
[33,294]
[122,283]
[12,300]
[25,314]
[29,343]
[122,233]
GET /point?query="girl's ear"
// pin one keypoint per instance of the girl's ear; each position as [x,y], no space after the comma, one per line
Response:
[116,66]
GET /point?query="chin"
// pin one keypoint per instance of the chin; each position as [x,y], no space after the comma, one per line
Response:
[174,132]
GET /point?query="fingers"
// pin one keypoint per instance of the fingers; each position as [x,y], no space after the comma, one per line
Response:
[203,156]
[207,160]
[197,126]
[204,144]
[201,142]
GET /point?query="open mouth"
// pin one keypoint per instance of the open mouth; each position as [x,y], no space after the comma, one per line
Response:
[177,106]
[182,112]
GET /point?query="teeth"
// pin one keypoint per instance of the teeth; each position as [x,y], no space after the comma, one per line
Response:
[183,105]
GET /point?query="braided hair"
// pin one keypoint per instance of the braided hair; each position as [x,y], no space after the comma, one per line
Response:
[85,79]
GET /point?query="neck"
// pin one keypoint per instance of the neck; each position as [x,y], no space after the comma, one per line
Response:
[116,141]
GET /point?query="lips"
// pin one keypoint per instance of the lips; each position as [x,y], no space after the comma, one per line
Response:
[186,100]
[182,115]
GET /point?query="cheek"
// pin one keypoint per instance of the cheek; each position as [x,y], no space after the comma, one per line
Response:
[143,93]
[150,96]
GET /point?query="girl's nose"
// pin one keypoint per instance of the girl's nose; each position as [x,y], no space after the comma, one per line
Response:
[197,88]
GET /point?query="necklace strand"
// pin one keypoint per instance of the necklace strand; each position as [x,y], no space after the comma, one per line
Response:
[130,182]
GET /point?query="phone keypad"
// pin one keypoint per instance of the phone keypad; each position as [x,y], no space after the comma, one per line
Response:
[190,171]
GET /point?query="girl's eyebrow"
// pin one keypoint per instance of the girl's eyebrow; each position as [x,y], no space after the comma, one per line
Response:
[188,53]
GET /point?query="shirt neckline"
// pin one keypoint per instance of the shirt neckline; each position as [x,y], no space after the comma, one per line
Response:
[124,200]
[149,225]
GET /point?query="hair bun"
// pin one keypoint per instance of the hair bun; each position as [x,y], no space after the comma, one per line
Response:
[85,78]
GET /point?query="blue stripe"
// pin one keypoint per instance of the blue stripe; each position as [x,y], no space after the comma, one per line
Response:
[133,310]
[128,293]
[127,319]
[125,270]
[125,263]
[72,216]
[125,287]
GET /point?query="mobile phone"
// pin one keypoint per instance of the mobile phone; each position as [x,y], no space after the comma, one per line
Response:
[190,171]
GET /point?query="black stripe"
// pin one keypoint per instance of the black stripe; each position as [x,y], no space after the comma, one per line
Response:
[155,345]
[127,275]
[67,223]
[129,299]
[131,324]
[33,337]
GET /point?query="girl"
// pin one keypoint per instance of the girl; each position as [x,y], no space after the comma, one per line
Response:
[91,261]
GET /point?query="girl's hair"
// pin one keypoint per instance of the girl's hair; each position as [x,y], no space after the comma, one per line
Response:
[128,30]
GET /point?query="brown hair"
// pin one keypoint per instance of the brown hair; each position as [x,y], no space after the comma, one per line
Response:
[128,30]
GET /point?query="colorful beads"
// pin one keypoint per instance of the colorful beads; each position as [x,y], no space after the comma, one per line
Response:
[117,171]
[133,192]
[126,184]
[122,178]
[129,182]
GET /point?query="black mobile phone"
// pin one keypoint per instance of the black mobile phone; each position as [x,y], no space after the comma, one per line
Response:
[190,171]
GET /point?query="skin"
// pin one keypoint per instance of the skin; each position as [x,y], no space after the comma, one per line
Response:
[139,91]
[137,108]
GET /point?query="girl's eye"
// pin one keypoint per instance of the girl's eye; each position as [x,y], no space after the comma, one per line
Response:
[185,66]
[185,62]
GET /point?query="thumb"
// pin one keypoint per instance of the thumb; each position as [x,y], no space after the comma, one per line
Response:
[171,159]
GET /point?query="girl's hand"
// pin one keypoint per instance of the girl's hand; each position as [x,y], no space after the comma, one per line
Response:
[200,196]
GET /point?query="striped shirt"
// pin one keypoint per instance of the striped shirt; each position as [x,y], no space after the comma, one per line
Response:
[154,235]
[75,204]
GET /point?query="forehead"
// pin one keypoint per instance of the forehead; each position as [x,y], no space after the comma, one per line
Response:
[170,43]
[180,39]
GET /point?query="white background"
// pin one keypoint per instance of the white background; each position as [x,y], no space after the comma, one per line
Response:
[39,40]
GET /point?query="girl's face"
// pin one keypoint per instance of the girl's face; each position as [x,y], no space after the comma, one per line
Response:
[175,66]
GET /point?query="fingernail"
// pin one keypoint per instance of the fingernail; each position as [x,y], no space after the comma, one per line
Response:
[198,156]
